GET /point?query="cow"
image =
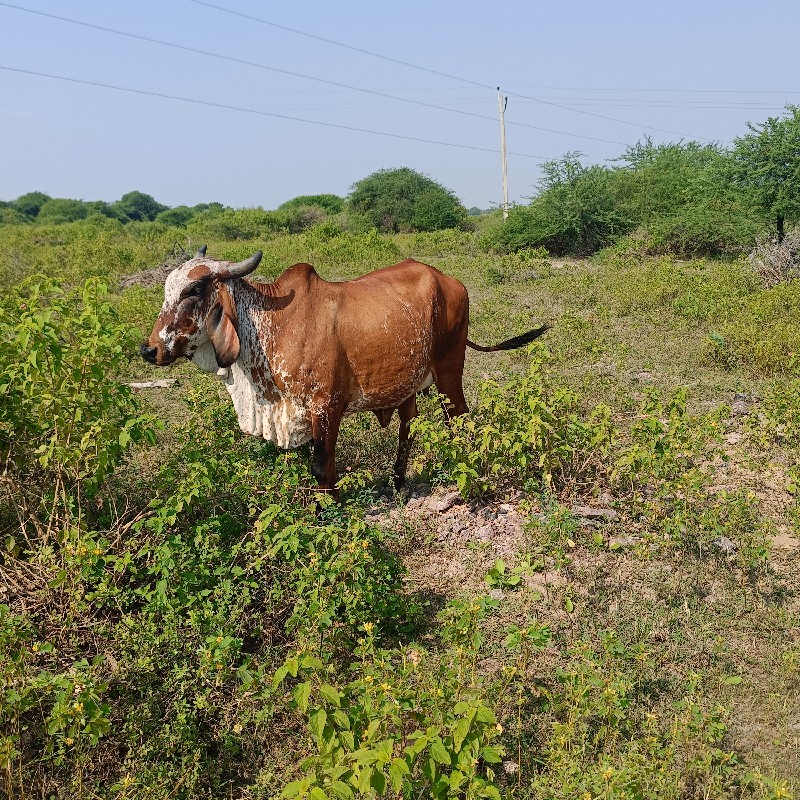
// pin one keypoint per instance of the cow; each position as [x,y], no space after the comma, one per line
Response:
[299,353]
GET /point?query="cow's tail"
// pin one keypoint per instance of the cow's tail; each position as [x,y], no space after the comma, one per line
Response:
[511,344]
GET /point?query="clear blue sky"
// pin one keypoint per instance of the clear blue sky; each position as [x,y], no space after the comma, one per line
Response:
[699,69]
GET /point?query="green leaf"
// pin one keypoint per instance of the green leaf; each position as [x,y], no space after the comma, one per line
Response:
[330,694]
[301,694]
[317,722]
[340,790]
[365,779]
[341,719]
[280,674]
[491,755]
[456,779]
[318,794]
[461,730]
[439,752]
[732,680]
[378,782]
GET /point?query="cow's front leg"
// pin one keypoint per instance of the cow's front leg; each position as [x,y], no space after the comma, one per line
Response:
[325,430]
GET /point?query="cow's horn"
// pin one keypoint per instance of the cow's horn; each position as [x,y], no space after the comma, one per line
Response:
[244,267]
[201,251]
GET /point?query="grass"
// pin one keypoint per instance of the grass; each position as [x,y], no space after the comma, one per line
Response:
[669,669]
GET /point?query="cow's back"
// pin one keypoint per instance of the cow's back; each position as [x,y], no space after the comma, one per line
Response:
[376,337]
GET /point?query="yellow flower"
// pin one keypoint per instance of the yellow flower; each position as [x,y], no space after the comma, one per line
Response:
[237,728]
[78,707]
[368,679]
[368,626]
[498,728]
[608,774]
[219,666]
[69,740]
[219,639]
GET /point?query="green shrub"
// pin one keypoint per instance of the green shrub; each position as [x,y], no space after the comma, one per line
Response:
[329,203]
[759,330]
[57,211]
[393,200]
[523,430]
[576,212]
[65,422]
[243,223]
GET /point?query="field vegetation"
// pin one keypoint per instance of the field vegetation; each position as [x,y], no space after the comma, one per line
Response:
[589,589]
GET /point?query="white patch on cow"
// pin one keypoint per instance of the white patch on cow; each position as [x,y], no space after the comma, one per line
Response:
[285,422]
[168,337]
[205,358]
[176,282]
[262,410]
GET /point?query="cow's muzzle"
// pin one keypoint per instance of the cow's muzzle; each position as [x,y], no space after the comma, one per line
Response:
[148,352]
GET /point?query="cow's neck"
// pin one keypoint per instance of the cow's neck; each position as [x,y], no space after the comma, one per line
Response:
[262,408]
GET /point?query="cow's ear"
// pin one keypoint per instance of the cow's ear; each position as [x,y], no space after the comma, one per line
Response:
[222,326]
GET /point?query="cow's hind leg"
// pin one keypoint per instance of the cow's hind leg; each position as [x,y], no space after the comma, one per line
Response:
[449,383]
[407,411]
[325,431]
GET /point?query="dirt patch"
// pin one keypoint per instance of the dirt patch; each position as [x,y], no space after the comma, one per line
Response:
[155,277]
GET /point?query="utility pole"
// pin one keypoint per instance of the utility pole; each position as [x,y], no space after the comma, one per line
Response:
[502,102]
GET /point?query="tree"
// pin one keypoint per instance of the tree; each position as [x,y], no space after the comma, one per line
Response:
[766,164]
[58,210]
[331,203]
[404,200]
[177,216]
[138,206]
[577,211]
[29,204]
[104,209]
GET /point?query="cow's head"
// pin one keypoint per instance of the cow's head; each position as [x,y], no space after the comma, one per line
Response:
[198,308]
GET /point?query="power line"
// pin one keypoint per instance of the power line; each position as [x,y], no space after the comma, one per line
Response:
[245,62]
[256,111]
[428,70]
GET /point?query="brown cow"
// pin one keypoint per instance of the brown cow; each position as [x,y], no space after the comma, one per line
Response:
[299,353]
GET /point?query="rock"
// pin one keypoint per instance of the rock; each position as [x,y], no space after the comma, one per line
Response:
[496,594]
[504,508]
[483,533]
[163,383]
[725,545]
[741,405]
[733,437]
[588,512]
[618,542]
[644,375]
[447,502]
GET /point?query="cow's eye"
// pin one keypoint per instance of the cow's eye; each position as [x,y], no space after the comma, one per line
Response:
[195,291]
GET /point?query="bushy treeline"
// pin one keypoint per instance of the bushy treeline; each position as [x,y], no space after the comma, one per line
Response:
[390,200]
[684,198]
[673,198]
